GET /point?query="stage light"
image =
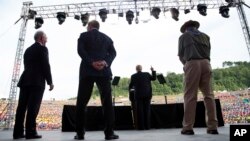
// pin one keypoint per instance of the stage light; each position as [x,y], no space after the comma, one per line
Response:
[120,14]
[136,20]
[61,16]
[156,12]
[129,16]
[174,13]
[85,19]
[32,14]
[77,17]
[224,11]
[137,13]
[186,11]
[202,8]
[38,22]
[103,14]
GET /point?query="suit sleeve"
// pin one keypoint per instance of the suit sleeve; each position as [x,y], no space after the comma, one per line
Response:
[131,83]
[82,52]
[153,76]
[131,86]
[46,65]
[111,53]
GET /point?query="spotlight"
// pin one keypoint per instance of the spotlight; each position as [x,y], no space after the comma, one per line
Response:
[224,11]
[38,22]
[129,16]
[137,13]
[120,14]
[174,13]
[136,20]
[103,14]
[156,12]
[77,17]
[85,18]
[61,16]
[32,14]
[202,8]
[186,11]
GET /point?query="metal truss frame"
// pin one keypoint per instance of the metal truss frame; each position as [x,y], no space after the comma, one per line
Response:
[113,7]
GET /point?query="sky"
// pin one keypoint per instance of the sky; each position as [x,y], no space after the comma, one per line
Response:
[154,43]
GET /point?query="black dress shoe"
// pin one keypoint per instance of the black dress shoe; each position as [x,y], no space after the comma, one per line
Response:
[111,137]
[18,136]
[187,132]
[215,132]
[79,137]
[34,136]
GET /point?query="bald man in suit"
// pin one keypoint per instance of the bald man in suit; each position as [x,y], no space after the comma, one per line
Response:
[141,83]
[32,85]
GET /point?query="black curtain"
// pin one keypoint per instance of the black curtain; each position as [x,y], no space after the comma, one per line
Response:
[162,116]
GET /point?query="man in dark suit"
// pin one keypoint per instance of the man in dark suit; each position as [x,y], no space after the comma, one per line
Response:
[97,53]
[32,85]
[141,82]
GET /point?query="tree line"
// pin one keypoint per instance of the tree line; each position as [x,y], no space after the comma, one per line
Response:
[232,76]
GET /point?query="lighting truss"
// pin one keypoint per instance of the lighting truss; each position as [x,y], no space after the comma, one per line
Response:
[123,5]
[72,10]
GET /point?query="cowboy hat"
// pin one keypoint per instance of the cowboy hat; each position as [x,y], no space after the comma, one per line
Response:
[188,24]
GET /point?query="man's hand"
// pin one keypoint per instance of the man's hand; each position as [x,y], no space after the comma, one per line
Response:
[51,87]
[151,68]
[99,65]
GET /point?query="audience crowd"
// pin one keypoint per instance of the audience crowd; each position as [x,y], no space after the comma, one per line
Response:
[235,109]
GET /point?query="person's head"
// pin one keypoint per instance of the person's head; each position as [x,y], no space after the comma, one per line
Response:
[93,25]
[138,68]
[189,24]
[40,37]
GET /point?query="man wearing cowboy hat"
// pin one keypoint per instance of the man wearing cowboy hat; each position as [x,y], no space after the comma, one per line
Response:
[194,54]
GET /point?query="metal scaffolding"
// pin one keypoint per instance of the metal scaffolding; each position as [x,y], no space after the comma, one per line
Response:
[113,7]
[243,22]
[10,113]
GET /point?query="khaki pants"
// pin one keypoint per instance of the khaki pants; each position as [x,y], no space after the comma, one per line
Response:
[198,75]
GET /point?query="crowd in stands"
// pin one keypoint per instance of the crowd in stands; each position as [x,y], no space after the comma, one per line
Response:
[235,109]
[3,106]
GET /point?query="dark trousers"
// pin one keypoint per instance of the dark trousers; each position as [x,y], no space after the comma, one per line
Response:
[30,99]
[143,113]
[84,93]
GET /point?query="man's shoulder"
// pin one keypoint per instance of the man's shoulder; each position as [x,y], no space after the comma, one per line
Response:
[133,74]
[93,31]
[83,33]
[33,46]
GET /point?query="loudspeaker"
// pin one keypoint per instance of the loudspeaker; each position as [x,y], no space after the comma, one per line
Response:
[116,80]
[161,79]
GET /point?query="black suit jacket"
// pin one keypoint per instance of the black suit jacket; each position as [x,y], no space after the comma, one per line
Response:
[36,67]
[94,46]
[141,82]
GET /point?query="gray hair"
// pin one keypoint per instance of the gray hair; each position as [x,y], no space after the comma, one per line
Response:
[38,34]
[138,68]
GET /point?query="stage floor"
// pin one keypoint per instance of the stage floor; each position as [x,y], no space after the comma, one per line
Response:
[169,134]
